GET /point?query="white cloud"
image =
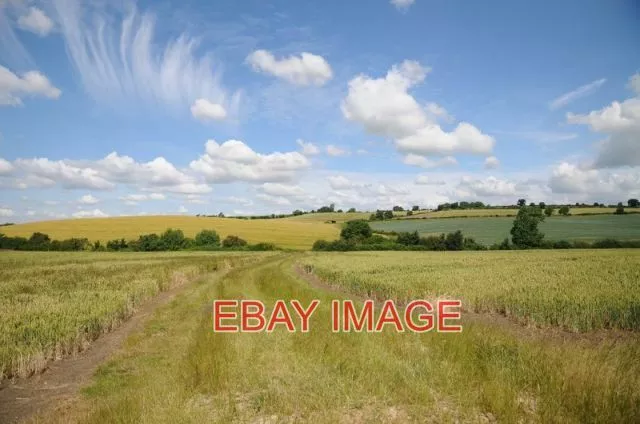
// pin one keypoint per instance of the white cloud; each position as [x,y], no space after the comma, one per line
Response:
[307,69]
[157,196]
[96,213]
[427,180]
[336,151]
[579,92]
[275,200]
[421,161]
[568,178]
[6,212]
[487,187]
[402,4]
[384,107]
[438,112]
[491,162]
[204,110]
[284,190]
[5,167]
[339,182]
[308,148]
[120,61]
[88,199]
[46,172]
[32,83]
[620,121]
[36,21]
[634,83]
[182,209]
[235,161]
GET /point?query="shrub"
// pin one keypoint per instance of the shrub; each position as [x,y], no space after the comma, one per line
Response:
[233,241]
[525,233]
[409,239]
[39,241]
[148,243]
[356,230]
[117,244]
[454,241]
[207,238]
[562,244]
[262,247]
[172,239]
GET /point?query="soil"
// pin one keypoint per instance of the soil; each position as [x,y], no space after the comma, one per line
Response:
[21,398]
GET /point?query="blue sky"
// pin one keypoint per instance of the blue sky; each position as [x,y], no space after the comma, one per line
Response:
[121,108]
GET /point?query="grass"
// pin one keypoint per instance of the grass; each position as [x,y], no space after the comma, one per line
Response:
[54,304]
[285,233]
[492,230]
[178,370]
[327,217]
[579,290]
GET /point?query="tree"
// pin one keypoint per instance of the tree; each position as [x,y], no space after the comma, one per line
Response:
[542,205]
[409,213]
[633,203]
[619,209]
[521,202]
[548,211]
[409,239]
[297,212]
[387,215]
[172,239]
[415,208]
[207,238]
[398,209]
[525,233]
[358,229]
[233,241]
[564,210]
[39,241]
[454,241]
[351,210]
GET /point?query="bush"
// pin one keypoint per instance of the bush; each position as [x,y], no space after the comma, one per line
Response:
[409,239]
[207,238]
[117,244]
[433,242]
[356,230]
[233,241]
[39,241]
[562,244]
[262,247]
[454,241]
[148,243]
[74,244]
[172,240]
[607,244]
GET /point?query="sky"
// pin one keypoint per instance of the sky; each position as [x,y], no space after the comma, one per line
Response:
[112,108]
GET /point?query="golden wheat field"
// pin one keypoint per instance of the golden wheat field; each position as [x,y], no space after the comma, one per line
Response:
[284,233]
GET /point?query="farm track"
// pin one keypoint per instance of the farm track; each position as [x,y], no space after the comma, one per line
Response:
[22,397]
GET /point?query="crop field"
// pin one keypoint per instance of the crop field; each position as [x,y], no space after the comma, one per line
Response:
[178,370]
[579,290]
[461,213]
[492,230]
[285,233]
[54,304]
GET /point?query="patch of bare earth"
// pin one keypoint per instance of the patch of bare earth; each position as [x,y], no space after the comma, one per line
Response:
[60,380]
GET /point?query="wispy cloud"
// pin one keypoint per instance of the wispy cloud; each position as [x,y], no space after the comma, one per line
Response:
[118,58]
[571,96]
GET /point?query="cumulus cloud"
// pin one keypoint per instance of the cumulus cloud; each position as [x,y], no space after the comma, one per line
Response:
[568,178]
[6,212]
[284,190]
[118,59]
[488,187]
[579,92]
[32,83]
[306,69]
[36,21]
[204,110]
[336,151]
[96,213]
[491,162]
[620,122]
[5,167]
[339,182]
[308,148]
[384,107]
[233,160]
[88,199]
[427,180]
[424,162]
[274,200]
[402,4]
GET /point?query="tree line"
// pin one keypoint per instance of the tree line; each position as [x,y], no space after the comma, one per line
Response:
[170,240]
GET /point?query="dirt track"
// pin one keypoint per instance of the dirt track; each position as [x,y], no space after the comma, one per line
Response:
[22,398]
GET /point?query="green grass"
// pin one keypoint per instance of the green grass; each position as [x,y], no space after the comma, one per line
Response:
[54,304]
[579,290]
[178,370]
[492,230]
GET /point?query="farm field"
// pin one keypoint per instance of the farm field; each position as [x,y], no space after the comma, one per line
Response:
[460,213]
[492,230]
[178,370]
[285,233]
[54,304]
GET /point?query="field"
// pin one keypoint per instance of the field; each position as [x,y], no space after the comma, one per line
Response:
[285,233]
[492,230]
[460,213]
[178,370]
[54,304]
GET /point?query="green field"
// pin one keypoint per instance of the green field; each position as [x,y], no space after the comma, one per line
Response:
[492,230]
